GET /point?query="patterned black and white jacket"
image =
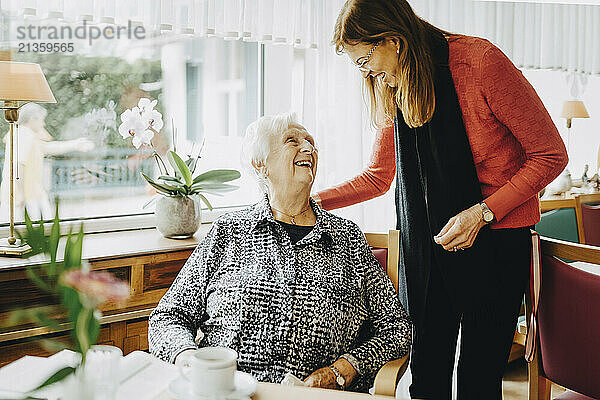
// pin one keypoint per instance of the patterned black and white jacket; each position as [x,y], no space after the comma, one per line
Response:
[283,307]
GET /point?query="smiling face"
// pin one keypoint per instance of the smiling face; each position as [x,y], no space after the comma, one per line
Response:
[383,62]
[292,160]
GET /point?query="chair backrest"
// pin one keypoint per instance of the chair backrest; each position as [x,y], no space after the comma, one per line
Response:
[587,218]
[559,224]
[590,219]
[569,317]
[386,248]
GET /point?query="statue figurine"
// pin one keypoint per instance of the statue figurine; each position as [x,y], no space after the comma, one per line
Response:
[584,177]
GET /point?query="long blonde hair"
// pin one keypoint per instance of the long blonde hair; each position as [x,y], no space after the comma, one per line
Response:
[370,22]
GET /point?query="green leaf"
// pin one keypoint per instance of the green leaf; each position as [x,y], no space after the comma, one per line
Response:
[217,176]
[213,187]
[191,163]
[53,241]
[53,346]
[57,377]
[205,200]
[32,315]
[43,319]
[30,271]
[149,202]
[170,178]
[93,328]
[76,247]
[70,298]
[178,165]
[161,187]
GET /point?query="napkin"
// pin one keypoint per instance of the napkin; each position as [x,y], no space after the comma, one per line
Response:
[29,372]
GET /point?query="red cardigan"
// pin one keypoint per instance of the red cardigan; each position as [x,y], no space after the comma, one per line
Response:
[516,147]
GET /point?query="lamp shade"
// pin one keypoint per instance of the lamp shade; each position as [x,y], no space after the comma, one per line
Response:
[22,82]
[574,109]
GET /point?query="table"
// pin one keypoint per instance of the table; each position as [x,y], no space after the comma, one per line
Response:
[273,391]
[145,377]
[265,391]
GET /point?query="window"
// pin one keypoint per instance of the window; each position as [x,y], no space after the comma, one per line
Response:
[208,89]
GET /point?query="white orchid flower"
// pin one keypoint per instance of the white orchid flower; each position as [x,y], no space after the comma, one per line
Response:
[145,104]
[153,118]
[134,125]
[131,120]
[144,137]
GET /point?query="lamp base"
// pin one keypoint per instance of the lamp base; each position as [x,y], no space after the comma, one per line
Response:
[18,249]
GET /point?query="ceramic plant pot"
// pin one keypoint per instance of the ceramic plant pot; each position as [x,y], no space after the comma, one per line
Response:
[178,217]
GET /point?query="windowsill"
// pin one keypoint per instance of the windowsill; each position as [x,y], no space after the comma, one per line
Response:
[99,246]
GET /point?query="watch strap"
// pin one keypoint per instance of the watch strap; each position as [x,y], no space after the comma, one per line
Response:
[486,211]
[338,376]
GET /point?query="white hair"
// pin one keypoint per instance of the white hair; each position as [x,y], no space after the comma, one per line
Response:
[31,110]
[256,146]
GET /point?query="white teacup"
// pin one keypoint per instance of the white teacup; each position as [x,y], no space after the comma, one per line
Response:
[210,371]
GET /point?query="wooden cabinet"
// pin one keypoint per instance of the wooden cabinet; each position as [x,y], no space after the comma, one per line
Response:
[123,325]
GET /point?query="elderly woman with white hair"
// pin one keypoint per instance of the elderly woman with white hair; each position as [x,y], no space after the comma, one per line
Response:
[290,287]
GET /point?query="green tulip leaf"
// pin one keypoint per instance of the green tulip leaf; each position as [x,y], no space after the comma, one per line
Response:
[57,377]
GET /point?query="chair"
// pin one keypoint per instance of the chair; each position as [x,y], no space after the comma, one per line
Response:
[588,218]
[386,248]
[568,322]
[560,223]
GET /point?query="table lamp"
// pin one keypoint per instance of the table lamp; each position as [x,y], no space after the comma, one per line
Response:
[573,109]
[20,83]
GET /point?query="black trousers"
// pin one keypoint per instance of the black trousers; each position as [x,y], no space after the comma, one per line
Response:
[488,327]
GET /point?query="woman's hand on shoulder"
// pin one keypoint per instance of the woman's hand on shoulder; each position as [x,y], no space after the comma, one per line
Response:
[461,230]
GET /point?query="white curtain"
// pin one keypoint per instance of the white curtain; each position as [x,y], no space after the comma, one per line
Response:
[279,21]
[533,35]
[334,111]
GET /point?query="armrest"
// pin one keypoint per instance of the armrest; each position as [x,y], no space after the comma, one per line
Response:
[388,376]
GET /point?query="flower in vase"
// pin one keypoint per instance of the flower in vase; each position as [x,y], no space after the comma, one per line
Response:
[96,287]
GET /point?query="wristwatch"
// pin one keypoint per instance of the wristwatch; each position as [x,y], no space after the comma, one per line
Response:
[488,215]
[339,379]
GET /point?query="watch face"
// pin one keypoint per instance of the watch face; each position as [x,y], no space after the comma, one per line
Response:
[488,216]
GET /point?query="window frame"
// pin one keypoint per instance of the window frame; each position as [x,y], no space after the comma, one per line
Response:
[146,220]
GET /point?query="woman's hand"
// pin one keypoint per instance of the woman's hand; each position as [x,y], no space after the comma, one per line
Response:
[461,230]
[325,378]
[322,378]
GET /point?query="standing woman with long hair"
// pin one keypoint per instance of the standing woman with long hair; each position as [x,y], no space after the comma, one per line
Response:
[470,146]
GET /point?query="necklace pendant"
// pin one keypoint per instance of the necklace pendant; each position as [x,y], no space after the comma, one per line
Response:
[293,221]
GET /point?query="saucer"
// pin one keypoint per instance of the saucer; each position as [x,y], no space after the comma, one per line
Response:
[245,386]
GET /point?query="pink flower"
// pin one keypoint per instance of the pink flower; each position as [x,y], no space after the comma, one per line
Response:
[96,286]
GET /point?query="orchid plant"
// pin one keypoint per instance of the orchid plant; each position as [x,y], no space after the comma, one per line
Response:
[142,123]
[78,291]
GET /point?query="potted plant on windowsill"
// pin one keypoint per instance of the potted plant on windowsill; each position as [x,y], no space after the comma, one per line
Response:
[178,213]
